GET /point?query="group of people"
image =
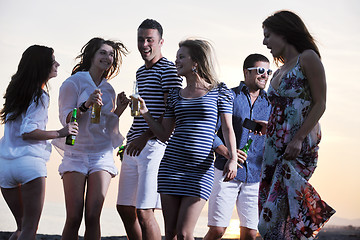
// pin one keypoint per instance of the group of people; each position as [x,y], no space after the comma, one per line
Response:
[168,162]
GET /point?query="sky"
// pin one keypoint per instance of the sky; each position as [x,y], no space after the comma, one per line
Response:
[235,29]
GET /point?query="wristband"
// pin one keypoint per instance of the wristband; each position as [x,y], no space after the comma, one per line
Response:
[83,108]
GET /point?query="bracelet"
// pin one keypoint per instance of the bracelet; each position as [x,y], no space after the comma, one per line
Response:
[83,108]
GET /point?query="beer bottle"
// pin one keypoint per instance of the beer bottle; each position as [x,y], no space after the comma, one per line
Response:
[245,149]
[95,113]
[121,152]
[70,139]
[135,103]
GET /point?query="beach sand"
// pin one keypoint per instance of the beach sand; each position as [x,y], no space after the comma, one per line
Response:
[328,233]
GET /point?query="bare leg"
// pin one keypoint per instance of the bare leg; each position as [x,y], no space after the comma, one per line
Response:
[170,207]
[247,233]
[28,213]
[149,227]
[13,199]
[33,193]
[215,233]
[74,188]
[98,185]
[189,212]
[131,221]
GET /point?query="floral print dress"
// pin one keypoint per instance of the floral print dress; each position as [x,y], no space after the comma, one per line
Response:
[289,206]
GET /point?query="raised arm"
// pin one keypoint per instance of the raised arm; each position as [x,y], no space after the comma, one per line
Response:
[162,130]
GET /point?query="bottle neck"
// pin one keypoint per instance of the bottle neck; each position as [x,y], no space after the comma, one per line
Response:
[135,91]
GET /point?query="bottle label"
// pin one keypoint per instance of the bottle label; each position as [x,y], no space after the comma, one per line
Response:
[95,113]
[135,105]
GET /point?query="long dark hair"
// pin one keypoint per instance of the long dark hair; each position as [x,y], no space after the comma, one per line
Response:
[27,83]
[292,28]
[88,52]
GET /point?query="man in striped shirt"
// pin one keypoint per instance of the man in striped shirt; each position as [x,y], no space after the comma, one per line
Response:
[137,196]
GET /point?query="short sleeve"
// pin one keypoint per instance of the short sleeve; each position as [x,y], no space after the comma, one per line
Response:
[217,142]
[36,115]
[225,99]
[169,78]
[171,101]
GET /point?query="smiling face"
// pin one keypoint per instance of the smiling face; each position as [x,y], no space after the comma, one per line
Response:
[274,42]
[149,45]
[183,62]
[257,81]
[103,58]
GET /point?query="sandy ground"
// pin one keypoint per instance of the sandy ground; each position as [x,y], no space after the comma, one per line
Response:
[328,233]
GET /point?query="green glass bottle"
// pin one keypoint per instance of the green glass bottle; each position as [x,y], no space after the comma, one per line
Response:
[70,139]
[245,149]
[121,152]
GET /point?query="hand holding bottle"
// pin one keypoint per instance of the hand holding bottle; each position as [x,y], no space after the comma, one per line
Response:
[241,157]
[143,108]
[95,97]
[244,150]
[96,106]
[70,139]
[70,129]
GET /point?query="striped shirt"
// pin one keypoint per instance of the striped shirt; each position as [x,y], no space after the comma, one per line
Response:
[153,83]
[187,166]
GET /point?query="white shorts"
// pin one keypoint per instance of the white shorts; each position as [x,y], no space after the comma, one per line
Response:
[225,195]
[88,163]
[21,170]
[138,177]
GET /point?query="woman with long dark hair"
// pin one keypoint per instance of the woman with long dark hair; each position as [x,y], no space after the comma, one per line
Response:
[88,166]
[289,206]
[24,149]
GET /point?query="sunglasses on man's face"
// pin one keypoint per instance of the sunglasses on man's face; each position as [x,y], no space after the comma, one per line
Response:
[261,70]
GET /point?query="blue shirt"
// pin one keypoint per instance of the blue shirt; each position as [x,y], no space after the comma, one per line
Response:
[242,108]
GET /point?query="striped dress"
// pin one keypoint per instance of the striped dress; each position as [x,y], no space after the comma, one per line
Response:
[187,167]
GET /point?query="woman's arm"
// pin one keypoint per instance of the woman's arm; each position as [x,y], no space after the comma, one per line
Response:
[161,130]
[315,74]
[37,134]
[95,97]
[230,168]
[121,103]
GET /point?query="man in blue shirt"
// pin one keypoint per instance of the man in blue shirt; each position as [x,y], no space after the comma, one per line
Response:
[250,101]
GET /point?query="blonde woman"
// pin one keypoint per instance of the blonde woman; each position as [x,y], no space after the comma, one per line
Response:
[186,171]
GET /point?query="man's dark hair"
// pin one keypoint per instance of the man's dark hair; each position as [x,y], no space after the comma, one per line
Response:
[252,59]
[151,24]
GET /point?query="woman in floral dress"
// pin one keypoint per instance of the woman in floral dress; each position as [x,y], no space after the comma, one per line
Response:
[290,208]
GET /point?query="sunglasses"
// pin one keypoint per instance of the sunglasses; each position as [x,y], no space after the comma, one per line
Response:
[261,70]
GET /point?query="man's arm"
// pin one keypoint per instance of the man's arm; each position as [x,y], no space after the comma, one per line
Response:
[138,144]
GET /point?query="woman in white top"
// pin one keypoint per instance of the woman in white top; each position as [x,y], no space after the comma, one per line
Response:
[88,166]
[24,149]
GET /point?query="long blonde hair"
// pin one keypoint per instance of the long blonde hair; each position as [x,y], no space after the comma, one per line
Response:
[202,52]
